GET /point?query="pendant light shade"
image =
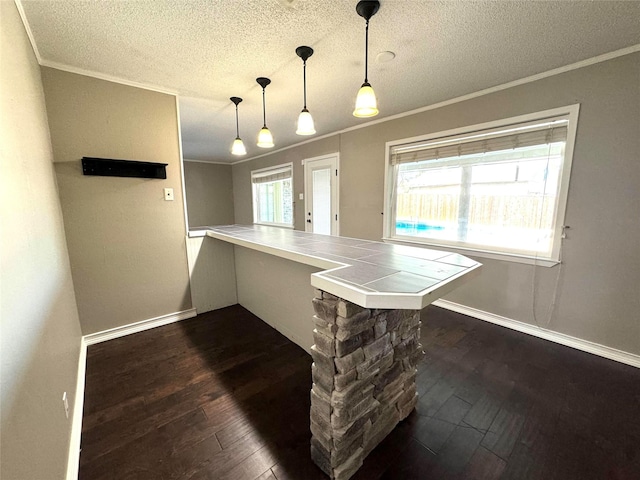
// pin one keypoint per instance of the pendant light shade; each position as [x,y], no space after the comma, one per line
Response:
[237,148]
[366,104]
[305,123]
[305,120]
[265,139]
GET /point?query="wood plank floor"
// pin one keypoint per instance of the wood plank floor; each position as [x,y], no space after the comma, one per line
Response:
[224,396]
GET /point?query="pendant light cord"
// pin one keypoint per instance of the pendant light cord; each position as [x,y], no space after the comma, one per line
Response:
[237,126]
[366,53]
[304,82]
[264,110]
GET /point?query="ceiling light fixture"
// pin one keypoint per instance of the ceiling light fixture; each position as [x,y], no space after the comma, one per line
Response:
[305,120]
[237,148]
[366,104]
[265,139]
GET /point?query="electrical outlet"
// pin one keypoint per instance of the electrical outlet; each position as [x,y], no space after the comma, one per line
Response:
[168,194]
[65,402]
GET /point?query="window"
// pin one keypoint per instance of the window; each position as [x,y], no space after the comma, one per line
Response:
[498,189]
[273,196]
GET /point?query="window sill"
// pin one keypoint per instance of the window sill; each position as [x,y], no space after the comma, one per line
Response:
[507,257]
[280,225]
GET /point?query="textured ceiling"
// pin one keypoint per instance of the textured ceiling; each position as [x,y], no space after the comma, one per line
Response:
[208,51]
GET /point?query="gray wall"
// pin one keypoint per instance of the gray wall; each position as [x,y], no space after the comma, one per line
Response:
[598,285]
[242,178]
[126,243]
[40,338]
[278,291]
[209,192]
[213,273]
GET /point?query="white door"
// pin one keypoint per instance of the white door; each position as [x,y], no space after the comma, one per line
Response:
[321,194]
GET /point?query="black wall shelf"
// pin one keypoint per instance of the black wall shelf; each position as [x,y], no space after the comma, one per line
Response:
[108,167]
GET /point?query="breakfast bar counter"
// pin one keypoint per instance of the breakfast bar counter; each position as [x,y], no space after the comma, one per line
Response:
[364,323]
[370,274]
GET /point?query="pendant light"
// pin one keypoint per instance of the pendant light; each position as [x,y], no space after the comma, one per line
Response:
[265,139]
[366,104]
[305,120]
[237,148]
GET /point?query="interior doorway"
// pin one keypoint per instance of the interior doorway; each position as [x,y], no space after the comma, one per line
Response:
[321,189]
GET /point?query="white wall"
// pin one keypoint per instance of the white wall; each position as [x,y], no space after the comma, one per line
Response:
[40,331]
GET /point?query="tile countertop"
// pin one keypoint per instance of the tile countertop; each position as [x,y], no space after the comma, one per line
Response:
[370,274]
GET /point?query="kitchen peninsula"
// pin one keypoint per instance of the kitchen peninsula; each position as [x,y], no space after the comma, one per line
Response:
[360,321]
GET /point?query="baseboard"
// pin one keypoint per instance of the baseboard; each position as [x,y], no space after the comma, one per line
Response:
[117,332]
[567,340]
[73,461]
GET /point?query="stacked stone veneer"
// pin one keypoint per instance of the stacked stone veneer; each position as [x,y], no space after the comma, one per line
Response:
[364,379]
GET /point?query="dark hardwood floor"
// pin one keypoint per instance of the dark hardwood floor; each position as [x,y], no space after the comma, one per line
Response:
[224,396]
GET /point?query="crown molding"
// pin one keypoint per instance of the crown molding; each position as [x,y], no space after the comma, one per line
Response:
[539,76]
[27,27]
[207,162]
[108,78]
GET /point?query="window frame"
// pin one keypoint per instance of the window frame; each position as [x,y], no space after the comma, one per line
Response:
[570,112]
[254,198]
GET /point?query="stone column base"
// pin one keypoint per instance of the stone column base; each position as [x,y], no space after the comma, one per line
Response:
[364,379]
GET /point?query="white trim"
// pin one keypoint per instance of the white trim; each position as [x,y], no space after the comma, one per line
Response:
[207,162]
[571,112]
[184,189]
[556,337]
[73,461]
[182,181]
[141,326]
[335,193]
[197,233]
[288,147]
[472,252]
[107,77]
[338,177]
[263,172]
[320,157]
[515,83]
[82,71]
[278,225]
[27,28]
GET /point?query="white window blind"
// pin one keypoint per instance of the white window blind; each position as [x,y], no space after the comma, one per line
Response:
[272,175]
[505,138]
